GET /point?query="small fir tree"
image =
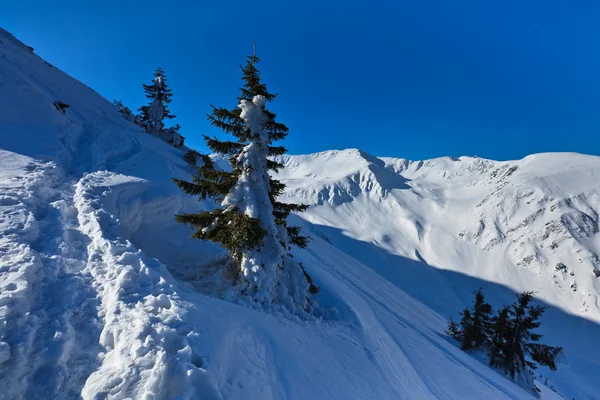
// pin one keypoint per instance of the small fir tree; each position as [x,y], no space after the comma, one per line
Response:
[508,337]
[173,136]
[474,324]
[454,330]
[499,333]
[159,93]
[481,312]
[250,222]
[124,110]
[517,341]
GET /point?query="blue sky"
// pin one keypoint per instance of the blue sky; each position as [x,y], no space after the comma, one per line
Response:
[412,79]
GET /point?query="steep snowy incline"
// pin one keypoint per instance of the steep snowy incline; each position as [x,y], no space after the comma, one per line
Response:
[441,228]
[92,304]
[61,285]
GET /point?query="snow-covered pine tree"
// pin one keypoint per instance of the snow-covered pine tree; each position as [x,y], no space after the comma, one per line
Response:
[251,223]
[517,341]
[173,136]
[159,94]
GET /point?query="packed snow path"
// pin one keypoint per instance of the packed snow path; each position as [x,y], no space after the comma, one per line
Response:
[66,290]
[51,320]
[83,298]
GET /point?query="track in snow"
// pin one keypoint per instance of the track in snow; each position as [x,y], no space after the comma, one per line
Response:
[53,335]
[66,342]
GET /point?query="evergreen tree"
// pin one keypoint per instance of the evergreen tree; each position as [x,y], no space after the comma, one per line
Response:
[230,122]
[499,333]
[475,323]
[173,136]
[159,94]
[454,331]
[124,110]
[482,312]
[514,340]
[251,223]
[508,336]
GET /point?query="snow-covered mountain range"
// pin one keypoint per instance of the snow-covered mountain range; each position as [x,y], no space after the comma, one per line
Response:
[529,224]
[98,289]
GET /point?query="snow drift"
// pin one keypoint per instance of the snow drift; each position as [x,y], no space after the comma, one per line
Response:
[93,303]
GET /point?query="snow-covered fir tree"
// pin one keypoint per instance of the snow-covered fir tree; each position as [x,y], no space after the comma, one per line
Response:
[159,94]
[250,222]
[153,115]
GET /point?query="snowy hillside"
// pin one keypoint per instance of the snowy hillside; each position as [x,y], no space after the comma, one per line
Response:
[438,229]
[528,224]
[93,298]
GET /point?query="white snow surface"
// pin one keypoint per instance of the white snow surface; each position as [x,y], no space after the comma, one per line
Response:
[94,302]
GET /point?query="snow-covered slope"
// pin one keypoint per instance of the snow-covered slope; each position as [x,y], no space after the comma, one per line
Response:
[441,228]
[93,302]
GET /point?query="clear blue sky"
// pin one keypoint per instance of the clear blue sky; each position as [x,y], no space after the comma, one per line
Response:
[412,79]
